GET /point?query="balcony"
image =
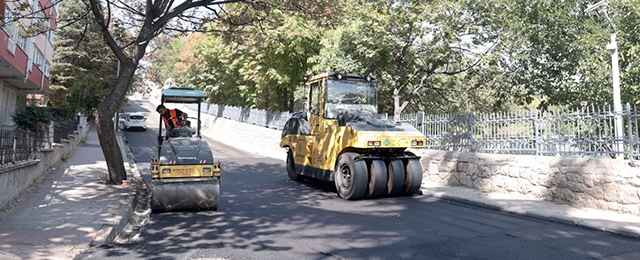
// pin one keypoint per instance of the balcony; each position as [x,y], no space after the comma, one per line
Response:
[13,68]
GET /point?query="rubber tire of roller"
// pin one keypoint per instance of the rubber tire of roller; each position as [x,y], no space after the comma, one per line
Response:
[358,180]
[291,168]
[395,181]
[377,179]
[413,178]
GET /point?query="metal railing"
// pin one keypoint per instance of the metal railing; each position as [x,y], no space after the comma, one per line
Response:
[62,129]
[587,132]
[266,118]
[18,145]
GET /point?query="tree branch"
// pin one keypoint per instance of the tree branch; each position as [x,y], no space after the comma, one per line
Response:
[111,42]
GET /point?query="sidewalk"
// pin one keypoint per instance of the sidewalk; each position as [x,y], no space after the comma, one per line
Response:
[70,210]
[623,224]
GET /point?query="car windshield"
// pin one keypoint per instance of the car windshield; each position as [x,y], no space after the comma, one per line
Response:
[136,117]
[349,95]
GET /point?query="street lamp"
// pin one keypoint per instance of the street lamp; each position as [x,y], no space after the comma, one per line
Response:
[597,9]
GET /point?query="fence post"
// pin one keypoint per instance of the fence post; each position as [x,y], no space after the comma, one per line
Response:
[471,127]
[629,140]
[535,130]
[15,139]
[419,120]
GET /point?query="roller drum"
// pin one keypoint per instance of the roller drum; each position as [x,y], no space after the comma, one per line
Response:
[185,195]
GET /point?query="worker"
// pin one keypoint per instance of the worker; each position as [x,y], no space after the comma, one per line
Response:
[172,117]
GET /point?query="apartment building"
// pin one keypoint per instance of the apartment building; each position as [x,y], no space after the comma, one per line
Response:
[24,60]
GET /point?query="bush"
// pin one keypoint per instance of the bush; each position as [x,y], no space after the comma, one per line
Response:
[29,117]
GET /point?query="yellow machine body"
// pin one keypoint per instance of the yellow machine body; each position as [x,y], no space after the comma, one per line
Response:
[322,151]
[184,176]
[341,120]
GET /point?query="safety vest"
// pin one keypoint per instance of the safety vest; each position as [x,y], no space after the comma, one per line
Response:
[174,119]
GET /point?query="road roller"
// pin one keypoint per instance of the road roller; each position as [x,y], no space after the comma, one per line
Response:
[184,176]
[341,138]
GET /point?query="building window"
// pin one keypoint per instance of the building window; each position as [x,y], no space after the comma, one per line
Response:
[49,33]
[47,68]
[10,28]
[38,58]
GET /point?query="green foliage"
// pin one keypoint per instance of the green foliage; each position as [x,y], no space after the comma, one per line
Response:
[249,66]
[552,50]
[29,117]
[83,64]
[437,56]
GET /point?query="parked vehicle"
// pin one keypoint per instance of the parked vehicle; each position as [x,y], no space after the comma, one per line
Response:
[135,121]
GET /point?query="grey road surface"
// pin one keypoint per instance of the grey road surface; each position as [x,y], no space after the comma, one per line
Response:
[263,215]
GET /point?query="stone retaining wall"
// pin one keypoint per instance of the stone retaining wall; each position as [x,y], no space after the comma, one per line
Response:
[588,182]
[17,178]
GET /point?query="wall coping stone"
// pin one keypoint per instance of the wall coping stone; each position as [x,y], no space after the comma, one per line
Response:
[15,166]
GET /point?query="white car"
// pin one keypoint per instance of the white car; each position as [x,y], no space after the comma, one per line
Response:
[135,121]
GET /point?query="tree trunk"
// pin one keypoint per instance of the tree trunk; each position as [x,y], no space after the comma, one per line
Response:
[110,147]
[397,108]
[106,132]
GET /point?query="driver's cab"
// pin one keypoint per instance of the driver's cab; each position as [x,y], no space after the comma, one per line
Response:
[181,95]
[331,92]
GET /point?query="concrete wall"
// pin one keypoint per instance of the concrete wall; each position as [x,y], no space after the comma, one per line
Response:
[16,178]
[588,182]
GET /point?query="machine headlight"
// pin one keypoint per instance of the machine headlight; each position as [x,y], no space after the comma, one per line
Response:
[165,171]
[208,169]
[417,143]
[373,143]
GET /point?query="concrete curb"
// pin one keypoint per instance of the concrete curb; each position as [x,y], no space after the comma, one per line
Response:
[486,203]
[140,209]
[109,231]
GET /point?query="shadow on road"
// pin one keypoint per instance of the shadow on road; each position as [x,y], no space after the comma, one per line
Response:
[264,215]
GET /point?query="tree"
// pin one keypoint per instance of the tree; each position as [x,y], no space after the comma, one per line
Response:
[129,26]
[417,49]
[83,68]
[554,52]
[251,65]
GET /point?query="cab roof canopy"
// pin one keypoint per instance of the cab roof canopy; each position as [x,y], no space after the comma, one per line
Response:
[345,76]
[182,95]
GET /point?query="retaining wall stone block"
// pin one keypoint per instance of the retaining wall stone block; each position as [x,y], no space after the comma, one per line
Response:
[560,181]
[633,209]
[453,181]
[610,194]
[524,186]
[482,184]
[614,206]
[635,182]
[443,175]
[596,193]
[566,195]
[462,166]
[628,195]
[588,180]
[577,187]
[608,179]
[447,166]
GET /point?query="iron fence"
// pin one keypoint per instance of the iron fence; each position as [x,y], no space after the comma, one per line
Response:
[260,117]
[18,145]
[587,132]
[62,129]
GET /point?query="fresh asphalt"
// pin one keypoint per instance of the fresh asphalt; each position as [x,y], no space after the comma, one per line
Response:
[263,215]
